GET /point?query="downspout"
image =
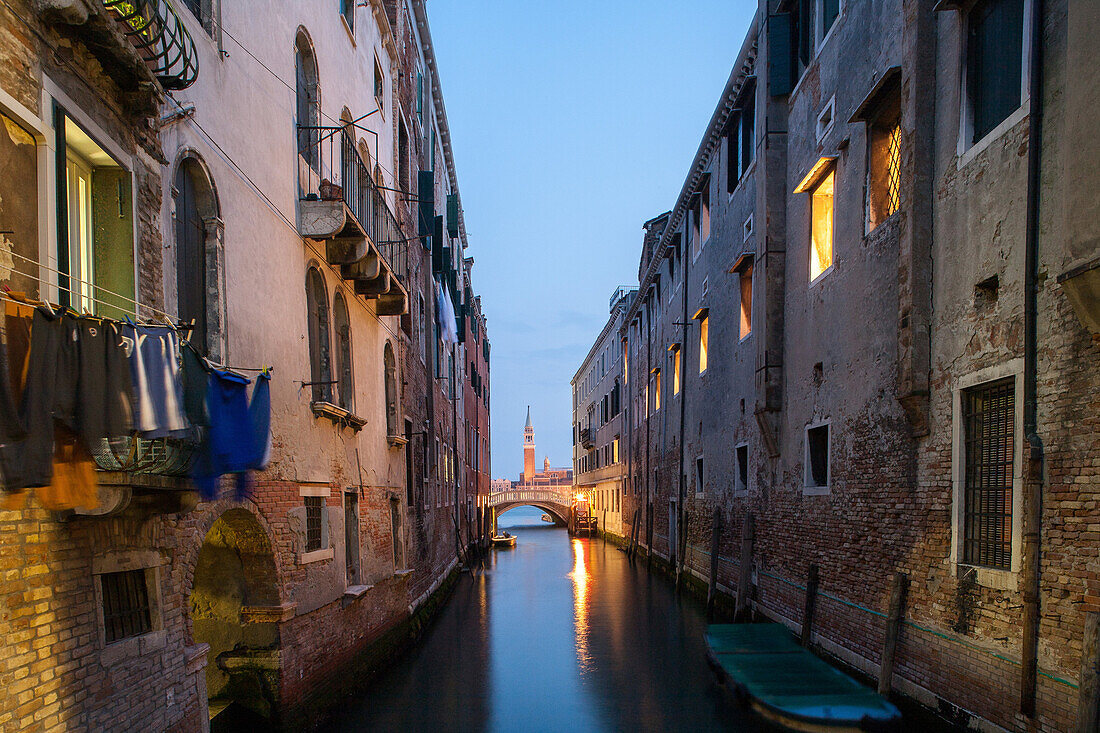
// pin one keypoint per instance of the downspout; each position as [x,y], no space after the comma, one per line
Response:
[681,538]
[1033,453]
[648,467]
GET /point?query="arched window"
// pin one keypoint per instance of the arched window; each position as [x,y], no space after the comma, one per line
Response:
[390,365]
[379,204]
[349,173]
[308,99]
[342,328]
[196,223]
[320,372]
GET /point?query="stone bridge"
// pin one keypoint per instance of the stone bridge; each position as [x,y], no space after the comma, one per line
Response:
[554,501]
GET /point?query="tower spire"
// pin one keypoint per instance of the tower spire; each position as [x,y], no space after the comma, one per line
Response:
[528,417]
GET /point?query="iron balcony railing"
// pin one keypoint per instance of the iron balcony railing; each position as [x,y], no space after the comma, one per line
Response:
[330,168]
[154,29]
[157,456]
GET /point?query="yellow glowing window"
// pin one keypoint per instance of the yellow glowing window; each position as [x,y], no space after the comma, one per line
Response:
[821,226]
[746,301]
[615,451]
[656,389]
[703,338]
[676,370]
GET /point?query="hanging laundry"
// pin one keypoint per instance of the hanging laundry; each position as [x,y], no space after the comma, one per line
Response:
[196,375]
[239,437]
[104,406]
[158,389]
[74,481]
[445,312]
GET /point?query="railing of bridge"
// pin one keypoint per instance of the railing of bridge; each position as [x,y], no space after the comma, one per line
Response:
[564,497]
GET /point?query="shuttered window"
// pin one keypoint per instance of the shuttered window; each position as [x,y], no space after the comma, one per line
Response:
[342,328]
[320,371]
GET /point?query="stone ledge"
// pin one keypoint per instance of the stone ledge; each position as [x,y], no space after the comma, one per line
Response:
[268,614]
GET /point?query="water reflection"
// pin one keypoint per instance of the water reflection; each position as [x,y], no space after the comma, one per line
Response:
[556,634]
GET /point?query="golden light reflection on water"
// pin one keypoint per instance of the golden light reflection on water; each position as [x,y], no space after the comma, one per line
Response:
[580,604]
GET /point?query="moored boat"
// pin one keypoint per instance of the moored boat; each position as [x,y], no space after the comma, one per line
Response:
[546,518]
[789,685]
[504,540]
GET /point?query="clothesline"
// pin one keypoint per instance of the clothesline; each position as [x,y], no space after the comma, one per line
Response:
[155,311]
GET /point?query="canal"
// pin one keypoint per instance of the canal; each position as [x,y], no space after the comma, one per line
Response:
[555,634]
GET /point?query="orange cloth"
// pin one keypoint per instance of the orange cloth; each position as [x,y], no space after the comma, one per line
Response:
[74,483]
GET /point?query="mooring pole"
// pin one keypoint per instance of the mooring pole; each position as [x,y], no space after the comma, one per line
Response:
[893,626]
[715,536]
[743,608]
[811,603]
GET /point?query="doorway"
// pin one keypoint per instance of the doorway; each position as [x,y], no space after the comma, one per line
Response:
[351,536]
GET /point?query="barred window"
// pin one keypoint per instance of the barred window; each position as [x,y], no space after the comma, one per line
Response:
[989,440]
[125,604]
[313,523]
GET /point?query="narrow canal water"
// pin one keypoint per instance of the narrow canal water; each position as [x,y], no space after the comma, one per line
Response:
[557,634]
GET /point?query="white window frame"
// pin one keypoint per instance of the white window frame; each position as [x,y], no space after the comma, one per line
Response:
[325,553]
[809,489]
[965,150]
[821,38]
[747,228]
[828,109]
[988,577]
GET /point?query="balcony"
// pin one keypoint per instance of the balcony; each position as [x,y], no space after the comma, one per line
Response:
[152,474]
[137,41]
[587,438]
[340,204]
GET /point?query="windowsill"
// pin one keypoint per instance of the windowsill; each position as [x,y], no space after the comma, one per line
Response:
[740,493]
[878,227]
[994,578]
[396,441]
[741,179]
[822,276]
[354,592]
[745,338]
[134,646]
[347,26]
[967,156]
[338,415]
[403,573]
[315,556]
[816,490]
[704,372]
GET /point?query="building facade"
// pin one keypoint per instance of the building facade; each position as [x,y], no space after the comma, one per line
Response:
[285,192]
[598,436]
[855,341]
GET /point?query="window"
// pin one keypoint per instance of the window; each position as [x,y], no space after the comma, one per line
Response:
[423,333]
[745,276]
[989,413]
[389,364]
[307,94]
[615,450]
[742,476]
[699,475]
[817,457]
[821,226]
[95,233]
[704,211]
[379,89]
[884,161]
[420,98]
[675,349]
[827,12]
[994,63]
[342,327]
[395,533]
[704,336]
[126,609]
[204,11]
[319,365]
[740,136]
[402,157]
[656,389]
[313,522]
[347,9]
[825,119]
[746,229]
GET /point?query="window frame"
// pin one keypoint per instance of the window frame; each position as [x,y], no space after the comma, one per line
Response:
[826,174]
[702,316]
[155,636]
[700,477]
[741,488]
[809,488]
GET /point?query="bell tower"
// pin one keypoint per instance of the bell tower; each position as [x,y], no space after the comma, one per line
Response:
[528,449]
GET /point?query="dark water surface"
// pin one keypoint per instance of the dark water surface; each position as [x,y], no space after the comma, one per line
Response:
[558,634]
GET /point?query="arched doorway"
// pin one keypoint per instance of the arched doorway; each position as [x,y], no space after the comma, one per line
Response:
[235,588]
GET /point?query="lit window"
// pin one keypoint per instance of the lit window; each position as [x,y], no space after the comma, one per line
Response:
[656,389]
[675,348]
[615,450]
[746,301]
[821,226]
[703,338]
[704,213]
[884,158]
[994,63]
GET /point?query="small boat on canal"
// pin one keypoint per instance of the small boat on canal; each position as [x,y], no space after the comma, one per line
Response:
[789,685]
[504,540]
[546,518]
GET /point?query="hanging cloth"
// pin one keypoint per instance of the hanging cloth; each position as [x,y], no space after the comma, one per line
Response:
[445,312]
[239,437]
[104,403]
[158,389]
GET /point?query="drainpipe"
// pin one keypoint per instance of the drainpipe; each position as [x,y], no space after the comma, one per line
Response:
[648,430]
[1033,455]
[681,538]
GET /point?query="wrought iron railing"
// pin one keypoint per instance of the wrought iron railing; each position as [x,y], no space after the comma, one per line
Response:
[158,456]
[564,497]
[154,29]
[329,167]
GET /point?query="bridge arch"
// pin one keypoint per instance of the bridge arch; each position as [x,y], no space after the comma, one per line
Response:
[558,512]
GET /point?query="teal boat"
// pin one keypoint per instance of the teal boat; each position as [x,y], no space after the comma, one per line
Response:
[765,666]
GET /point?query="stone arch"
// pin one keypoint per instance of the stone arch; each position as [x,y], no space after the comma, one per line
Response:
[233,605]
[200,254]
[559,513]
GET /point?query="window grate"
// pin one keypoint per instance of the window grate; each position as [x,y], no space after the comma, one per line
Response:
[893,173]
[313,523]
[988,422]
[125,604]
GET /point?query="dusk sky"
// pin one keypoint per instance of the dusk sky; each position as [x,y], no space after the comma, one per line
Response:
[572,123]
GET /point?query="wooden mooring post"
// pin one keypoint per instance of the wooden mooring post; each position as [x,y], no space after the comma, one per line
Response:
[893,626]
[715,536]
[1088,693]
[811,604]
[743,609]
[633,536]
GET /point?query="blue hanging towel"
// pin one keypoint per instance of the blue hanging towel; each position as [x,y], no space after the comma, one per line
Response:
[239,437]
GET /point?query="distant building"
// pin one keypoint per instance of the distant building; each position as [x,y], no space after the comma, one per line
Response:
[547,478]
[598,463]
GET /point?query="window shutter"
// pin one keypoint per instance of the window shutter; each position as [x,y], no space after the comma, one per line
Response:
[780,56]
[426,194]
[437,246]
[452,214]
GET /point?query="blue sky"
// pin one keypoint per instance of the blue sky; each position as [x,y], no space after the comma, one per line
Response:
[572,123]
